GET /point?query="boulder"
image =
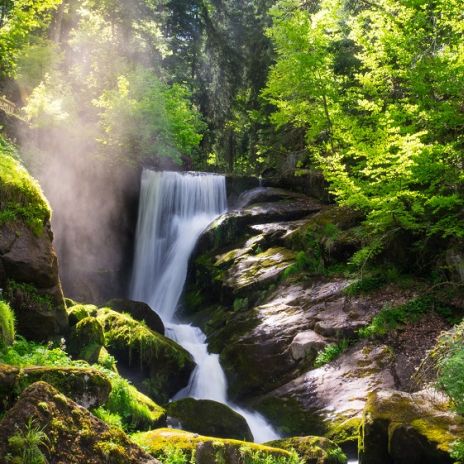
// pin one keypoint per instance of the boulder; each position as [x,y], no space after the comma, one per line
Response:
[157,365]
[74,435]
[307,345]
[402,428]
[87,386]
[312,450]
[28,263]
[139,311]
[208,450]
[267,195]
[86,340]
[210,418]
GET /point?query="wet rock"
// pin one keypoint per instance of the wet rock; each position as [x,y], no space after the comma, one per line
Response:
[139,311]
[209,418]
[87,386]
[207,450]
[404,428]
[74,435]
[312,450]
[156,364]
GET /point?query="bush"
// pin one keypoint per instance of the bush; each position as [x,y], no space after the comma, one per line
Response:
[7,325]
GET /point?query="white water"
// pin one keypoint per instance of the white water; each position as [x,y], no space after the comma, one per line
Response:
[174,210]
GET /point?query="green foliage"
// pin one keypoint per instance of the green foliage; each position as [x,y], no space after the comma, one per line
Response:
[390,318]
[173,455]
[258,457]
[7,325]
[20,195]
[27,445]
[451,377]
[148,117]
[24,18]
[25,353]
[457,451]
[331,352]
[112,419]
[240,304]
[376,89]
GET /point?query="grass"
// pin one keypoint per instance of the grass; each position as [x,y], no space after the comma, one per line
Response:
[21,197]
[25,446]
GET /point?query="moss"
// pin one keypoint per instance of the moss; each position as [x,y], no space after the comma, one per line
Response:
[158,441]
[312,449]
[21,198]
[80,311]
[87,339]
[165,365]
[27,296]
[7,325]
[344,432]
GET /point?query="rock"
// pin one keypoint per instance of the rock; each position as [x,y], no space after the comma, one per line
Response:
[86,340]
[87,386]
[74,435]
[312,450]
[156,365]
[404,428]
[318,401]
[210,418]
[307,344]
[139,311]
[231,226]
[267,195]
[207,450]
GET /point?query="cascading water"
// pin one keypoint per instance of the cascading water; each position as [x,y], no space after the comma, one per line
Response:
[174,210]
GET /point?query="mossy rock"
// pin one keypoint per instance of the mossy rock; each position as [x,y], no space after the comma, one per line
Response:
[86,386]
[408,429]
[344,431]
[86,340]
[139,311]
[75,436]
[208,450]
[7,325]
[211,418]
[157,365]
[290,417]
[79,311]
[312,450]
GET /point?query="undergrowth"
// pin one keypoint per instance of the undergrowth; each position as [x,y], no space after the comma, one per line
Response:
[331,352]
[7,325]
[26,296]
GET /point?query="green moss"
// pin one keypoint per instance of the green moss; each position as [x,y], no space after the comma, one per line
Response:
[7,325]
[27,296]
[21,198]
[80,311]
[158,441]
[344,431]
[312,449]
[87,339]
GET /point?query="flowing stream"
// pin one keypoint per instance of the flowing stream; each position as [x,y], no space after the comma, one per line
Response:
[174,210]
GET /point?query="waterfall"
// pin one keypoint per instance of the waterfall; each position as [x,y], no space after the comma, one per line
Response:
[174,210]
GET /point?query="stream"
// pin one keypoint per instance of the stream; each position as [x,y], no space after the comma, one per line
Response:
[175,208]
